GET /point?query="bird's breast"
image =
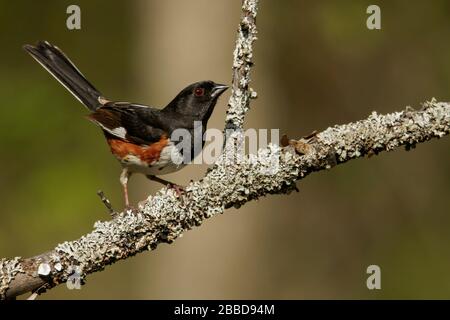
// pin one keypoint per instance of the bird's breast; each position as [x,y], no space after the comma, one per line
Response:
[157,158]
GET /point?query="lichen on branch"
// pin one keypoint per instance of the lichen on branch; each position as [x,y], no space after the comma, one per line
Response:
[164,217]
[241,94]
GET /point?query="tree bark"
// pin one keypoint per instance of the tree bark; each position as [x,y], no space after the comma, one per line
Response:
[232,181]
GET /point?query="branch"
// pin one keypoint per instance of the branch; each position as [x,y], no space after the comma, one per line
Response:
[164,217]
[241,93]
[233,181]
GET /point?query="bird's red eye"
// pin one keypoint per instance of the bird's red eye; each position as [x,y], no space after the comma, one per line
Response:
[199,92]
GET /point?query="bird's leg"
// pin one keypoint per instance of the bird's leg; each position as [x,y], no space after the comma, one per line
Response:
[178,189]
[124,176]
[160,180]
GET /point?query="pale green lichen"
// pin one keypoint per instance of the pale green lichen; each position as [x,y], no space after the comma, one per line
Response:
[241,94]
[387,132]
[9,268]
[164,217]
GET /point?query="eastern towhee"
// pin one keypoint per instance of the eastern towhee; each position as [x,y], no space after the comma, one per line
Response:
[138,135]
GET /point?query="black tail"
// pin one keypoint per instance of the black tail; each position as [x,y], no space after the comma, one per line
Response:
[57,63]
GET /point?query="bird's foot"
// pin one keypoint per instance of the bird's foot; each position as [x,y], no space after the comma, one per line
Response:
[179,190]
[141,204]
[130,208]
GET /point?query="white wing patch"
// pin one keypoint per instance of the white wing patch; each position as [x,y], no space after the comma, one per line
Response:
[119,132]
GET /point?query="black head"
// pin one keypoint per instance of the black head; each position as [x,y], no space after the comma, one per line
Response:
[197,100]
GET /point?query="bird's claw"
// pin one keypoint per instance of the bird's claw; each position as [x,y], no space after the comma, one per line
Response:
[179,190]
[130,208]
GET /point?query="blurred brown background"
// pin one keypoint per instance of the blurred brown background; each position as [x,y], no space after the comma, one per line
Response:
[316,65]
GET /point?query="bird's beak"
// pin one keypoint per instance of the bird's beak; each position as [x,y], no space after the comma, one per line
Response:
[218,90]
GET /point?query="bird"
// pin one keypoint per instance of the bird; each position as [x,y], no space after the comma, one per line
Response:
[139,136]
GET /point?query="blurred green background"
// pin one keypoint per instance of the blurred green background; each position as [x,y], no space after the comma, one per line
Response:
[316,65]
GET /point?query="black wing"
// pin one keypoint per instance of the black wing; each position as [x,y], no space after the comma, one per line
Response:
[134,123]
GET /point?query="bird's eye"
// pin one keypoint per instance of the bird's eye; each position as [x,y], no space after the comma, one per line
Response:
[199,92]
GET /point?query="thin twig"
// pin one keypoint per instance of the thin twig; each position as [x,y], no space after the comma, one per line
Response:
[106,202]
[241,93]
